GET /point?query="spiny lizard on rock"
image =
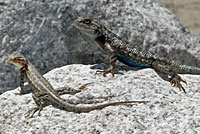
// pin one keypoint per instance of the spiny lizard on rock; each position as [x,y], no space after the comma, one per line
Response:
[43,90]
[132,55]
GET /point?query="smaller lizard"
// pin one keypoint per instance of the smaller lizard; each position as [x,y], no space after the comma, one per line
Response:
[132,55]
[43,90]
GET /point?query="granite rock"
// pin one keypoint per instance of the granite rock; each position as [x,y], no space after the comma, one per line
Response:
[169,110]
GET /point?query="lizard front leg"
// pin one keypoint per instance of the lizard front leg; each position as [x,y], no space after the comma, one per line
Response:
[21,84]
[166,68]
[113,59]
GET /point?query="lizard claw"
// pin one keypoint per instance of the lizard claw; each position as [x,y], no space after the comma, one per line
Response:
[175,82]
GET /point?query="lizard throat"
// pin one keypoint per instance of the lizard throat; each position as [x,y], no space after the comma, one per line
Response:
[19,64]
[101,40]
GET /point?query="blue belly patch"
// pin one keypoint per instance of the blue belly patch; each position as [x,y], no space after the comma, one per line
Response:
[129,62]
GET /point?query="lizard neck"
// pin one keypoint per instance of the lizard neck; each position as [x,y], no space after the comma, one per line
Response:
[103,40]
[37,82]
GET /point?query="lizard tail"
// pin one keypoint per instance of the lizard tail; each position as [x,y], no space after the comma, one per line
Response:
[100,106]
[184,69]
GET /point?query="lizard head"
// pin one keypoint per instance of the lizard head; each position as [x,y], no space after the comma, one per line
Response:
[17,60]
[88,26]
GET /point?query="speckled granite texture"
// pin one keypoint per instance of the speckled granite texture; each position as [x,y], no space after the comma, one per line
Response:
[169,111]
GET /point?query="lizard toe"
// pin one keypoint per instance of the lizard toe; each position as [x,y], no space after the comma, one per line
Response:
[34,109]
[184,81]
[83,87]
[105,72]
[181,88]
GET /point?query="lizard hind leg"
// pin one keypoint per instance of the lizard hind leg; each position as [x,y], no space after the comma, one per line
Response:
[164,66]
[38,101]
[83,87]
[33,111]
[175,81]
[70,90]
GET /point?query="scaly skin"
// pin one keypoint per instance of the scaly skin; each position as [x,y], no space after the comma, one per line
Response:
[43,90]
[131,55]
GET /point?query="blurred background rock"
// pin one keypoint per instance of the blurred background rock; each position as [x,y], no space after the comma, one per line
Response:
[187,11]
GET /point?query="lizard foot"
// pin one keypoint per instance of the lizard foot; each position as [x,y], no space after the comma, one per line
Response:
[19,93]
[34,109]
[176,82]
[106,71]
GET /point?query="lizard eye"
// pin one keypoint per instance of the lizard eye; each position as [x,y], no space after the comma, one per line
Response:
[18,58]
[87,21]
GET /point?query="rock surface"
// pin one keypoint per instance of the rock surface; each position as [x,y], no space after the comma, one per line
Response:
[42,31]
[169,110]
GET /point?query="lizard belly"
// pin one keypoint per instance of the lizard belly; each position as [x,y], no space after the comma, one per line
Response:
[130,62]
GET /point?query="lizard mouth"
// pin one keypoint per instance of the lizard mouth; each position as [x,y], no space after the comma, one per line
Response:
[79,24]
[20,64]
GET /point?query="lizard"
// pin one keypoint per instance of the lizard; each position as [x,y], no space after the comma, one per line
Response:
[43,90]
[131,55]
